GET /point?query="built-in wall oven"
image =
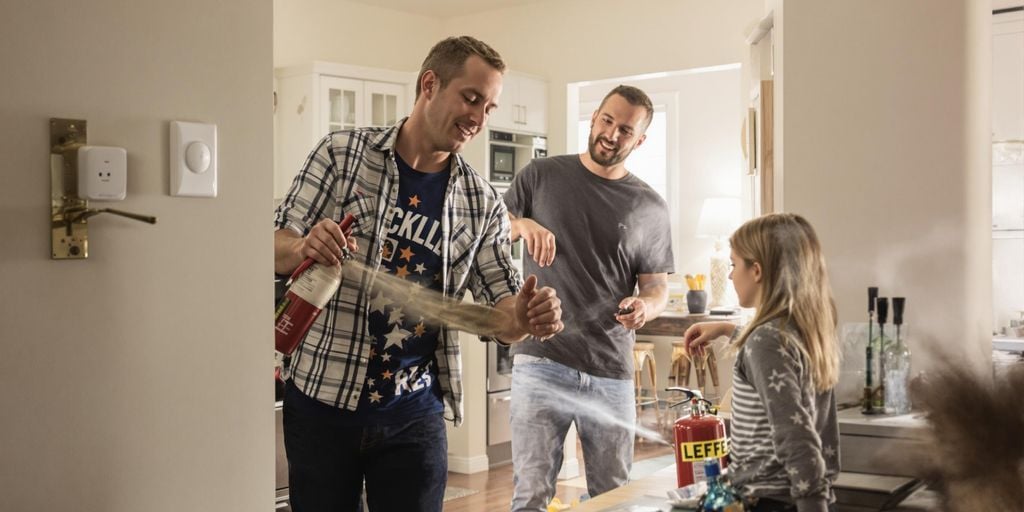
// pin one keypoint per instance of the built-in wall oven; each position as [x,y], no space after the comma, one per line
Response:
[499,401]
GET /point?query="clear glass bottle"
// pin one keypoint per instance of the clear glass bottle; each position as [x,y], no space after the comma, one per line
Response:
[897,377]
[721,497]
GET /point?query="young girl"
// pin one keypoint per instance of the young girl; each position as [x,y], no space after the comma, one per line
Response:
[785,438]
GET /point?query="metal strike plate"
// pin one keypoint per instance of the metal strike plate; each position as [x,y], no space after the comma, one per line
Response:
[69,238]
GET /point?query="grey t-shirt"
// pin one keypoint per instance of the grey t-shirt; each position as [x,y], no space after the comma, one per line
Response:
[606,233]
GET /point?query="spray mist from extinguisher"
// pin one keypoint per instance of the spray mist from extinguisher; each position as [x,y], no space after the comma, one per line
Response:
[699,435]
[309,288]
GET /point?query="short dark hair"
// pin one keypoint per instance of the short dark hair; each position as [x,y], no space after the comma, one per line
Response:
[635,97]
[448,57]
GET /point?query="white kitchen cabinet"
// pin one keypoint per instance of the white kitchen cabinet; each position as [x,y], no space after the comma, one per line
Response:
[523,106]
[320,98]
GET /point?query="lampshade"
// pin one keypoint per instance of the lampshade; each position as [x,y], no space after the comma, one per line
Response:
[719,217]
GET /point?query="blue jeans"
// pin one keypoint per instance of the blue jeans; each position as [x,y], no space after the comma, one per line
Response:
[546,398]
[405,465]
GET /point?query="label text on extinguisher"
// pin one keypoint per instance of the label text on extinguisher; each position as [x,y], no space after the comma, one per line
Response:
[700,450]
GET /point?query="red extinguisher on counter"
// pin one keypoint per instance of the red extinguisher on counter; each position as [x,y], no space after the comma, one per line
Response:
[309,288]
[699,435]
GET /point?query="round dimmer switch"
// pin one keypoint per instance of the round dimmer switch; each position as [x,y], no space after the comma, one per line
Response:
[197,157]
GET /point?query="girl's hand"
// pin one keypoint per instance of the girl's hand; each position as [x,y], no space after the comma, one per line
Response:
[700,335]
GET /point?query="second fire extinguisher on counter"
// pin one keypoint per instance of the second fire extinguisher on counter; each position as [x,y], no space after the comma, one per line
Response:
[310,287]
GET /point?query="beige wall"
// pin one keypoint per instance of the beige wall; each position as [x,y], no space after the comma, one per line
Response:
[140,378]
[575,40]
[886,126]
[351,33]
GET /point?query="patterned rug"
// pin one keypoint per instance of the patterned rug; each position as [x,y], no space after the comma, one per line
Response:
[452,492]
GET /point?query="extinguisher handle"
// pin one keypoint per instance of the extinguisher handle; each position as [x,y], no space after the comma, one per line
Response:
[346,228]
[346,224]
[687,393]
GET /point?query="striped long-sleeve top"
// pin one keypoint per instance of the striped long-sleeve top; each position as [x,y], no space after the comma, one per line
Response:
[785,435]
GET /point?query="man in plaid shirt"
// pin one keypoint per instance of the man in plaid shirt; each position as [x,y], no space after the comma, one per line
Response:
[371,384]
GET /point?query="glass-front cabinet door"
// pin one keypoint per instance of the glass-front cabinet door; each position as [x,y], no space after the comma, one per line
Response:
[342,104]
[385,103]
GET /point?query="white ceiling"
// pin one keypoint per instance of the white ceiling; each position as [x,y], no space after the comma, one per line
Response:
[445,8]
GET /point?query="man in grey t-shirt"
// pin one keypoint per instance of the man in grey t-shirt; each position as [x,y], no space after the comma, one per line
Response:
[613,238]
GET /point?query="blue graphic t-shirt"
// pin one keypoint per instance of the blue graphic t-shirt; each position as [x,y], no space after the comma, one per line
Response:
[401,380]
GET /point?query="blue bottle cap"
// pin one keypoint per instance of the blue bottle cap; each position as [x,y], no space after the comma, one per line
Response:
[711,467]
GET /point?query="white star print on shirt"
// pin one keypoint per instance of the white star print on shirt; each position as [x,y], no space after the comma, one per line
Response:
[792,471]
[829,451]
[375,397]
[379,302]
[396,316]
[395,337]
[420,268]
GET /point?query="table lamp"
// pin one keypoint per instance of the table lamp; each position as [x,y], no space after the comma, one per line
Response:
[719,217]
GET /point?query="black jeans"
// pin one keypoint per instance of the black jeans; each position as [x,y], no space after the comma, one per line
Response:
[405,465]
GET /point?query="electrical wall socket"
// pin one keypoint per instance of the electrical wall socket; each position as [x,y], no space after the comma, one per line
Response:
[102,173]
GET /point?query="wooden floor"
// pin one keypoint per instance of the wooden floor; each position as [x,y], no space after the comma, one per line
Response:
[495,486]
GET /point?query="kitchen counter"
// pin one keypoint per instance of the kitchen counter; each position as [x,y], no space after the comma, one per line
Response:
[650,493]
[675,323]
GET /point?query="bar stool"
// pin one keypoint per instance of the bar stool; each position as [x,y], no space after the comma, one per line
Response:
[681,365]
[643,353]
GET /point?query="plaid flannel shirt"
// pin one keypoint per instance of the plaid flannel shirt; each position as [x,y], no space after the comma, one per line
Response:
[354,171]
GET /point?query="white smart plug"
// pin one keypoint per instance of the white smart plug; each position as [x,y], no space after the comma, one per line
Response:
[102,173]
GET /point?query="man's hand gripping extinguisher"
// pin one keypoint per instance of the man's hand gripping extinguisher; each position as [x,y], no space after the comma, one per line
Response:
[699,435]
[309,288]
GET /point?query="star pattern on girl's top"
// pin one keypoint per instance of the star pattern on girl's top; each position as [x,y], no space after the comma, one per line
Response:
[803,485]
[402,271]
[386,374]
[829,451]
[792,471]
[414,201]
[420,268]
[775,380]
[420,329]
[797,419]
[375,397]
[385,357]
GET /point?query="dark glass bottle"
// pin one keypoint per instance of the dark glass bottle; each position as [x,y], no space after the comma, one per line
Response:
[721,497]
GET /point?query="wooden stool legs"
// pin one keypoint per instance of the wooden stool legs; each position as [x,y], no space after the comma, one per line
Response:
[701,366]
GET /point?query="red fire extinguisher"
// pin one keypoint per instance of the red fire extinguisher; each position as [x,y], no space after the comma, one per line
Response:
[699,435]
[309,289]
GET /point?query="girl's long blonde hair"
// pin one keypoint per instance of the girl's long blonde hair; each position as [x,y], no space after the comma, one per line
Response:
[794,288]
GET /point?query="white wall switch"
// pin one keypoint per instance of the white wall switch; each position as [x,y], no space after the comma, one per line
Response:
[193,159]
[102,173]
